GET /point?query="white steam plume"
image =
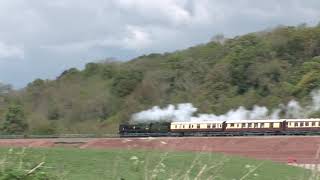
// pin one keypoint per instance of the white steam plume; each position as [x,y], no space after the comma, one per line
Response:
[186,112]
[181,112]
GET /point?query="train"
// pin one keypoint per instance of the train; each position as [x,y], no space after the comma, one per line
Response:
[223,128]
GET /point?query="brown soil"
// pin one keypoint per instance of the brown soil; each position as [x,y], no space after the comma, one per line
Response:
[302,150]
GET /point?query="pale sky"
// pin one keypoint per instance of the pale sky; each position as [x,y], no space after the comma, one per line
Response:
[41,38]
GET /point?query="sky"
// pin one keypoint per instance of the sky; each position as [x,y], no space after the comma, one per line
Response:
[42,38]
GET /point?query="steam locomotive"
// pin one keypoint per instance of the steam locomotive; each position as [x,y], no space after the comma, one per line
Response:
[223,128]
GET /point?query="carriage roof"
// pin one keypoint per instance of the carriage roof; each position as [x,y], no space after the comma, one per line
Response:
[299,120]
[197,122]
[246,121]
[254,121]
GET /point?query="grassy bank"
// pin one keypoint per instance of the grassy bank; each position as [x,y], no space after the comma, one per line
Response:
[76,164]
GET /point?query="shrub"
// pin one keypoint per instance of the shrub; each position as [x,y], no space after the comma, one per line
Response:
[15,120]
[15,167]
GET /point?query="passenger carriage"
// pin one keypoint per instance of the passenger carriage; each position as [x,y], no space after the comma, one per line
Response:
[204,128]
[302,126]
[253,125]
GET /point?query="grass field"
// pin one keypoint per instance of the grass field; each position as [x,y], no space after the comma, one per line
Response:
[77,164]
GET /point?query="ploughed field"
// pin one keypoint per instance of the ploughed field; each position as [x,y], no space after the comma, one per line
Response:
[299,149]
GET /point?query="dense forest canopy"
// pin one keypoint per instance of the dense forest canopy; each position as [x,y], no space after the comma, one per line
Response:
[263,68]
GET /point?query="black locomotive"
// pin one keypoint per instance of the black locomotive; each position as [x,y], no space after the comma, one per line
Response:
[144,129]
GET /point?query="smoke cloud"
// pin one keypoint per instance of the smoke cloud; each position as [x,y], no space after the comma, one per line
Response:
[187,112]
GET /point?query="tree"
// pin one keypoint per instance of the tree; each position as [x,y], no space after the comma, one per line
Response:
[15,120]
[69,72]
[91,69]
[36,87]
[108,71]
[125,82]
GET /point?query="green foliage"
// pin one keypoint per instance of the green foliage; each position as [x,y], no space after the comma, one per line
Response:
[308,82]
[53,110]
[15,166]
[91,69]
[15,120]
[108,71]
[53,113]
[35,89]
[69,72]
[125,82]
[38,83]
[263,68]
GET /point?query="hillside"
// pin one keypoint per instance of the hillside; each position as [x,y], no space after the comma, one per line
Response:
[264,68]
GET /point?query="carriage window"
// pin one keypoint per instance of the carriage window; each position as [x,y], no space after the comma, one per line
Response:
[213,125]
[198,126]
[208,125]
[262,125]
[232,125]
[296,124]
[238,125]
[189,126]
[192,126]
[255,125]
[313,124]
[175,126]
[249,125]
[243,125]
[183,126]
[301,124]
[307,123]
[271,125]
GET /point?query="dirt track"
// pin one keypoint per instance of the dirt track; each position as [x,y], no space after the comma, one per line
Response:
[282,149]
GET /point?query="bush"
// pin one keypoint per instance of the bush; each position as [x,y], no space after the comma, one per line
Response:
[15,120]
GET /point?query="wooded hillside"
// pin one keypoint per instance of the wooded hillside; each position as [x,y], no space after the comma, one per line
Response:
[264,68]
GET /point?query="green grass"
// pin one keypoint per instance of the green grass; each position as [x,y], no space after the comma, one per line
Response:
[77,164]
